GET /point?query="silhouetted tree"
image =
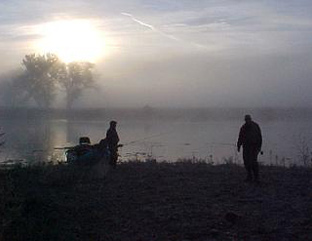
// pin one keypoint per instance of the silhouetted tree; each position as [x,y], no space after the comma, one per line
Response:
[40,77]
[11,88]
[78,77]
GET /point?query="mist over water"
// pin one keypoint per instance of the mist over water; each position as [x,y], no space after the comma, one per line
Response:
[163,134]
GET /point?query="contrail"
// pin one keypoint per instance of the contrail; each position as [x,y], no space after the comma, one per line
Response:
[139,22]
[151,27]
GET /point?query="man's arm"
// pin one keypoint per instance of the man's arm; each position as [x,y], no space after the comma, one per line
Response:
[260,137]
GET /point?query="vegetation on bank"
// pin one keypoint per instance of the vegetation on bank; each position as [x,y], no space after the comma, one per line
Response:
[155,201]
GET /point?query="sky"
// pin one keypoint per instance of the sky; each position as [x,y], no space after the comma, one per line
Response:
[175,53]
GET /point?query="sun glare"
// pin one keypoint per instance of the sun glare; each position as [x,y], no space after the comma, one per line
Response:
[72,40]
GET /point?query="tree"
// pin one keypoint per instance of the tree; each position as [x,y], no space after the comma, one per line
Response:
[40,76]
[11,88]
[78,77]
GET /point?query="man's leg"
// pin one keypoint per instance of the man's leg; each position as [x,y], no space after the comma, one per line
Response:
[115,158]
[247,163]
[255,164]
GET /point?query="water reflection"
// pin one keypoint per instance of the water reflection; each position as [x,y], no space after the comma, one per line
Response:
[211,141]
[35,140]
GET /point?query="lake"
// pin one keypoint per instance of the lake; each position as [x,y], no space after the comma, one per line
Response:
[284,142]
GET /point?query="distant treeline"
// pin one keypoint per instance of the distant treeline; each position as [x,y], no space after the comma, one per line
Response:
[149,113]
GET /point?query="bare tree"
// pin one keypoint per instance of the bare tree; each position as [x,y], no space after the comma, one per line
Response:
[40,77]
[11,88]
[78,77]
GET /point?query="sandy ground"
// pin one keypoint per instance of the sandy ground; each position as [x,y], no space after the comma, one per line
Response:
[148,201]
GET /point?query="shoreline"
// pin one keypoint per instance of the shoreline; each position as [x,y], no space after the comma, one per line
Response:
[156,201]
[148,113]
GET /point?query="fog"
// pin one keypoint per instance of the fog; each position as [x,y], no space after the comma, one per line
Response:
[203,81]
[173,53]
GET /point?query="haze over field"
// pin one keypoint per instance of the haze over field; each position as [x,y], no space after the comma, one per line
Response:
[178,53]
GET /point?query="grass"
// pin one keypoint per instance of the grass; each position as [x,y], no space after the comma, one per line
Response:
[155,201]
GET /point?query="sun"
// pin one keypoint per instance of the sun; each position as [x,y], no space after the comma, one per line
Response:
[72,40]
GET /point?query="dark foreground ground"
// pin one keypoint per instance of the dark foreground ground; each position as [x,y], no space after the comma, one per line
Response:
[144,201]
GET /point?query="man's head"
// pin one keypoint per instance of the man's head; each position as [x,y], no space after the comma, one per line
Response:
[248,118]
[113,124]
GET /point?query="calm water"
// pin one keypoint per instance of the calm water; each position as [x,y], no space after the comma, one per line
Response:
[167,140]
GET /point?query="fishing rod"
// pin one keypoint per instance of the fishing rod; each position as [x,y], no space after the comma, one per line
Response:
[2,142]
[221,144]
[63,148]
[211,144]
[146,138]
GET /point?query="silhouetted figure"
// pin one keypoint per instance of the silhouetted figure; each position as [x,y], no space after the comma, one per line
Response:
[112,142]
[251,139]
[101,149]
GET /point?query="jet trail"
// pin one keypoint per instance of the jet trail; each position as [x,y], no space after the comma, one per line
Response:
[151,27]
[139,22]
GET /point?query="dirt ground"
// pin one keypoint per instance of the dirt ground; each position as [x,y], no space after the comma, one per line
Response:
[149,201]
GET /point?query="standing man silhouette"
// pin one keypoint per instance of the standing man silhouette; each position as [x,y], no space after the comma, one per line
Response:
[250,138]
[112,142]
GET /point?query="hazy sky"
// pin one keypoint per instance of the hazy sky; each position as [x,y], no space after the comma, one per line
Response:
[177,52]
